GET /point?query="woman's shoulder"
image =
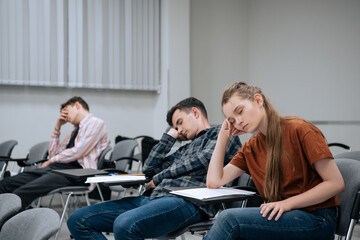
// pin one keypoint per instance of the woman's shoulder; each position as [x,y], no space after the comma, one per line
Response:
[258,140]
[299,125]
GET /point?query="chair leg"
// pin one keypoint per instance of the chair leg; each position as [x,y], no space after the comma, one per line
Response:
[100,193]
[244,202]
[51,200]
[119,193]
[63,204]
[141,187]
[63,213]
[350,229]
[3,169]
[87,199]
[38,204]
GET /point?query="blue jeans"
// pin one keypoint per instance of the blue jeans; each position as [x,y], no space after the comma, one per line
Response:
[247,223]
[133,218]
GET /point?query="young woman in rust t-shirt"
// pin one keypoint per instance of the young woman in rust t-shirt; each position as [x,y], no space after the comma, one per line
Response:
[291,166]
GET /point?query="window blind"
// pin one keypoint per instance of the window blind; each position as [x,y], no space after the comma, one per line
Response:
[104,44]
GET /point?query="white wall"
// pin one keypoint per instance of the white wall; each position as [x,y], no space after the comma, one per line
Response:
[28,114]
[219,50]
[305,55]
[179,55]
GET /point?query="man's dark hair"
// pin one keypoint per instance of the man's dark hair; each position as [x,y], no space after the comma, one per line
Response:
[73,100]
[186,105]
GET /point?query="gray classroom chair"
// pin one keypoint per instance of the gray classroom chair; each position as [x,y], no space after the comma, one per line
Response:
[350,198]
[123,157]
[201,228]
[10,204]
[32,224]
[37,155]
[5,153]
[75,191]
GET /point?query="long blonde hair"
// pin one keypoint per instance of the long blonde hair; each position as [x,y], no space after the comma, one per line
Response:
[274,176]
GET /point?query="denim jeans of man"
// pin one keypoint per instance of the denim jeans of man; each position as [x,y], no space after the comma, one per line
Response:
[133,218]
[248,223]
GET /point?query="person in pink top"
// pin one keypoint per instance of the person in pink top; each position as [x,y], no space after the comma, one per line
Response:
[80,149]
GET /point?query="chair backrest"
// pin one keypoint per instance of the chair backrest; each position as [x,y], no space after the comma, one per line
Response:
[38,152]
[6,150]
[10,204]
[147,144]
[102,156]
[341,145]
[349,169]
[350,155]
[32,224]
[7,147]
[122,149]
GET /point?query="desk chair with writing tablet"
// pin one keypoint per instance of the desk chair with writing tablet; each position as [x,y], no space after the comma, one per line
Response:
[38,153]
[75,191]
[123,157]
[202,227]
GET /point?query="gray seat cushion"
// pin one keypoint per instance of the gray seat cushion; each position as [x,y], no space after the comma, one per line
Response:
[349,155]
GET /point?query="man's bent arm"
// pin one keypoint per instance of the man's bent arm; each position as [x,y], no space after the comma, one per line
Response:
[199,159]
[87,141]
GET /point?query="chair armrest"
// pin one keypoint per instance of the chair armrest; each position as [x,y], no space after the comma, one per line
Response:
[4,159]
[24,164]
[12,159]
[126,158]
[114,170]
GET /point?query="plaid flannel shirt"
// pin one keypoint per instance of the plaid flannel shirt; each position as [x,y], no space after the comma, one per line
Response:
[188,165]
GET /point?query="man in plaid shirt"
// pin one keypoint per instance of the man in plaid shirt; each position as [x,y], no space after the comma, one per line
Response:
[161,213]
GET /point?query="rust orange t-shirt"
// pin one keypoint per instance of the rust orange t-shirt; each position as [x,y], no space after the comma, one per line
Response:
[304,145]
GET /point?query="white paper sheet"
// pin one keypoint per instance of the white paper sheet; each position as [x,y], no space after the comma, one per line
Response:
[115,178]
[207,193]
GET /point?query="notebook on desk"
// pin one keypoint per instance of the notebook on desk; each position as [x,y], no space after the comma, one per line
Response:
[203,195]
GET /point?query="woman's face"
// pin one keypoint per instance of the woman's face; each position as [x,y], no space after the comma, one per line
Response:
[246,115]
